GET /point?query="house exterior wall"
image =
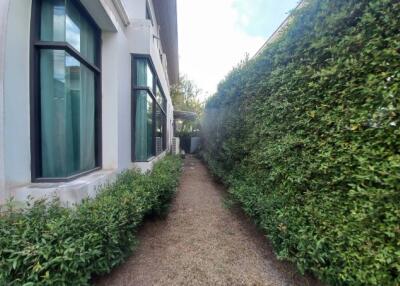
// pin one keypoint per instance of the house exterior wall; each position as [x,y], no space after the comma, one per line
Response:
[120,39]
[4,4]
[16,91]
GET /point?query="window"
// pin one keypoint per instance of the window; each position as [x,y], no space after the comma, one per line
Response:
[160,97]
[144,148]
[65,100]
[144,74]
[160,132]
[148,111]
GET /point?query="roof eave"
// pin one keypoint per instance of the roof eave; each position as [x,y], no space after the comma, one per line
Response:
[167,18]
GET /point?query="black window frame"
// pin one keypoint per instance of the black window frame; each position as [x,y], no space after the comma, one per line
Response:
[36,45]
[152,92]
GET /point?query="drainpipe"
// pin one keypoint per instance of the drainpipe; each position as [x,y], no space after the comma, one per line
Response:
[4,6]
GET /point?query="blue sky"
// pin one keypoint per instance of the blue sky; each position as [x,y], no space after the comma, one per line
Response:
[261,17]
[215,35]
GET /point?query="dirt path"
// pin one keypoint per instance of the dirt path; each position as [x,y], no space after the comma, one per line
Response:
[201,242]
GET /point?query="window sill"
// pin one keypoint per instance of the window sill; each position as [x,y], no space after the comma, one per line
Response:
[146,161]
[67,179]
[152,158]
[69,193]
[145,166]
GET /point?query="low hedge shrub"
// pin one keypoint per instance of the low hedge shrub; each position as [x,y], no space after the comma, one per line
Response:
[307,137]
[48,244]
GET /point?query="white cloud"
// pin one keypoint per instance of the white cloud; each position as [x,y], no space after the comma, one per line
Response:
[210,41]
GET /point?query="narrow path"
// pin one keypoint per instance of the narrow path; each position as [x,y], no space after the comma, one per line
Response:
[201,242]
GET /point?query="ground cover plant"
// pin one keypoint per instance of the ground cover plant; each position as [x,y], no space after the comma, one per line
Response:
[306,135]
[47,244]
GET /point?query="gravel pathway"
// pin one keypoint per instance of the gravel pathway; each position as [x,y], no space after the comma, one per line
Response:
[201,242]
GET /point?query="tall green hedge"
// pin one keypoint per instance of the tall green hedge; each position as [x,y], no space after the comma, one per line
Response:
[51,245]
[307,137]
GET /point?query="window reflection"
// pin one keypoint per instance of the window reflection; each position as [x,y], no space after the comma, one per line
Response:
[159,131]
[53,20]
[73,33]
[61,21]
[66,111]
[144,74]
[150,117]
[67,115]
[143,126]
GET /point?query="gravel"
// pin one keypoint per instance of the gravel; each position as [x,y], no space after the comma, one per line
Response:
[202,242]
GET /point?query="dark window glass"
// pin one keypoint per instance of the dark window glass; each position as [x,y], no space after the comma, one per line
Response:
[52,26]
[61,21]
[143,126]
[149,116]
[160,97]
[67,91]
[160,133]
[144,74]
[68,114]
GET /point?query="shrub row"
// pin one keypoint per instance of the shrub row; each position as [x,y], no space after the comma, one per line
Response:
[47,244]
[307,137]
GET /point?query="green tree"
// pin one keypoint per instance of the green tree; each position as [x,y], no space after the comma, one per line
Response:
[186,97]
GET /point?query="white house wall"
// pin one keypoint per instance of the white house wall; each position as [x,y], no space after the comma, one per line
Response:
[118,43]
[110,100]
[4,5]
[16,90]
[137,9]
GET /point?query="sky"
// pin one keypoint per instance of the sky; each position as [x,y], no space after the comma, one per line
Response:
[215,35]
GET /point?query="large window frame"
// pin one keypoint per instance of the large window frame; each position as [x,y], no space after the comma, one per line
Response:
[36,46]
[156,104]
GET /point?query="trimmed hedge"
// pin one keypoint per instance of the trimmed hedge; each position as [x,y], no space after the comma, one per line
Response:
[307,137]
[51,245]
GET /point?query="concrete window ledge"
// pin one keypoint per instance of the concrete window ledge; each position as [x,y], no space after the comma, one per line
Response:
[148,166]
[69,193]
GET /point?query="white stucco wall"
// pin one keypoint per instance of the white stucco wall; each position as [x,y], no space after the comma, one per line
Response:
[136,8]
[118,43]
[116,94]
[16,90]
[4,5]
[124,108]
[109,101]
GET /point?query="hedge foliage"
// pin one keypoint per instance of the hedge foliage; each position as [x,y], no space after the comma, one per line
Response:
[307,137]
[51,245]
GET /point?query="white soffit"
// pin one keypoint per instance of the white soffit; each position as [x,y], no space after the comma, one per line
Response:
[121,12]
[100,14]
